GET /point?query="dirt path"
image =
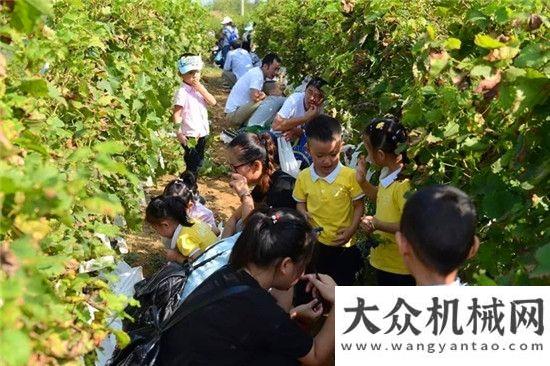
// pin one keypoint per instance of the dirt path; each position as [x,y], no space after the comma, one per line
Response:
[145,247]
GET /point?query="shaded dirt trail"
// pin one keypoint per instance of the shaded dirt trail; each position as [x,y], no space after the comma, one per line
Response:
[145,247]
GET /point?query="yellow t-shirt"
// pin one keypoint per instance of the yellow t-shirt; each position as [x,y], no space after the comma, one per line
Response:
[329,200]
[194,238]
[390,201]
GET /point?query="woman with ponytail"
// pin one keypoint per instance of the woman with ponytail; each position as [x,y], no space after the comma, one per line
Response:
[248,327]
[187,237]
[386,142]
[256,178]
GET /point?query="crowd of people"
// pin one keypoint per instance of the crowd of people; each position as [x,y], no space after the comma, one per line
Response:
[294,238]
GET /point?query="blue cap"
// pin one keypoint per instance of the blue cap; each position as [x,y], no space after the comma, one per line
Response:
[189,63]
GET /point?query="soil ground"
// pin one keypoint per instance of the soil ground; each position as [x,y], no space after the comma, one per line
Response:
[145,246]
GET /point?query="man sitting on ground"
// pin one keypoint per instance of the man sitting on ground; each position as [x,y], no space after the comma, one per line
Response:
[237,63]
[263,117]
[247,93]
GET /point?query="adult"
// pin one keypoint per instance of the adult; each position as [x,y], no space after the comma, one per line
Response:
[298,110]
[256,61]
[237,63]
[263,116]
[230,34]
[253,161]
[247,36]
[246,94]
[246,326]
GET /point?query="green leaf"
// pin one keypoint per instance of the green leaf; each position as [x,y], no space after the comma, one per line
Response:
[451,129]
[104,85]
[431,32]
[513,73]
[122,338]
[110,147]
[485,41]
[107,229]
[483,280]
[15,347]
[106,204]
[27,12]
[452,44]
[535,55]
[502,15]
[481,70]
[35,87]
[191,142]
[543,258]
[497,203]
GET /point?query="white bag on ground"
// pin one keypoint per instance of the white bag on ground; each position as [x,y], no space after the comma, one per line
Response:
[125,279]
[287,161]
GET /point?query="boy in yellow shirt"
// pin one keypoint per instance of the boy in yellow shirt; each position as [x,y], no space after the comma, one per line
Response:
[328,194]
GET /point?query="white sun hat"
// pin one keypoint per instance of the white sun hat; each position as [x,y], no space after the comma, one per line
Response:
[248,27]
[189,63]
[227,20]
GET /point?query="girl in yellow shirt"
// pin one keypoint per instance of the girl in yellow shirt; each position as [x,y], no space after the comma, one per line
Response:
[386,141]
[188,237]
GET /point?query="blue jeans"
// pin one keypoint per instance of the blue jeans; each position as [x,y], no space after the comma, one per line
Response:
[225,49]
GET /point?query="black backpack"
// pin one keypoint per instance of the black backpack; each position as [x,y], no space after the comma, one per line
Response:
[160,309]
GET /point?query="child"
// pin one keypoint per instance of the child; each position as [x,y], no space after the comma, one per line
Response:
[190,112]
[195,209]
[330,197]
[188,237]
[190,181]
[437,234]
[384,139]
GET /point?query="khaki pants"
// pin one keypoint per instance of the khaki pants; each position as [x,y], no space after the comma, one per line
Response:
[238,117]
[229,77]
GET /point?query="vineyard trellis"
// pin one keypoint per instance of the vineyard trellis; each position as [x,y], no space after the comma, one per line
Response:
[469,78]
[86,90]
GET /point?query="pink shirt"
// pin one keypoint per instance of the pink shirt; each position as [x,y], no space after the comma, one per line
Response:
[194,114]
[199,211]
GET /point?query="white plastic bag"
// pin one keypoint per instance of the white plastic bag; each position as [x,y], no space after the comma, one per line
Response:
[123,280]
[287,161]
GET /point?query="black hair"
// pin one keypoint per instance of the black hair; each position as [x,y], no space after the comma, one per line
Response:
[190,181]
[236,44]
[178,188]
[254,147]
[186,54]
[270,235]
[167,207]
[439,222]
[317,83]
[270,58]
[323,128]
[388,135]
[269,86]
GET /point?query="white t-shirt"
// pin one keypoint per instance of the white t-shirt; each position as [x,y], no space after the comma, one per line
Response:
[240,94]
[293,106]
[238,61]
